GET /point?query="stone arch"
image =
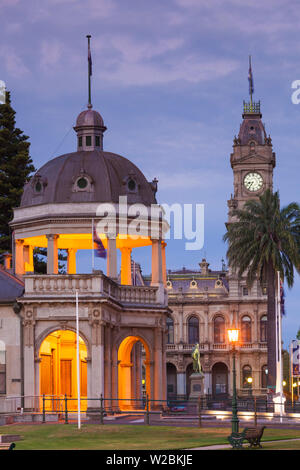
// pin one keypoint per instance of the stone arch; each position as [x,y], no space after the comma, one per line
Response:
[43,335]
[130,371]
[57,374]
[171,380]
[220,372]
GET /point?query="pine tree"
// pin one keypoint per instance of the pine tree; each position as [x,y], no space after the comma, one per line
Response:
[15,169]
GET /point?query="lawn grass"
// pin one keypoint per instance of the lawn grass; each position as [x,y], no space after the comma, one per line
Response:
[129,437]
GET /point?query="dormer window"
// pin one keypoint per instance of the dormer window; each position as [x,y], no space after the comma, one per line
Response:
[38,187]
[38,184]
[131,184]
[83,182]
[193,284]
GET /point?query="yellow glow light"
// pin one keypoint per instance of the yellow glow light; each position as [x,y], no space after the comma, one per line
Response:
[233,335]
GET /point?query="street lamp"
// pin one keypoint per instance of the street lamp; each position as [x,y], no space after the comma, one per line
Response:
[233,336]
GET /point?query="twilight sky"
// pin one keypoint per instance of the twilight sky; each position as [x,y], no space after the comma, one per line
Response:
[169,78]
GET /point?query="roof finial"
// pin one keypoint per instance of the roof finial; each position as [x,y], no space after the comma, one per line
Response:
[89,70]
[250,78]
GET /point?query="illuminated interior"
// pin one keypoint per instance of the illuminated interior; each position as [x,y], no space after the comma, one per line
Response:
[133,373]
[83,241]
[58,370]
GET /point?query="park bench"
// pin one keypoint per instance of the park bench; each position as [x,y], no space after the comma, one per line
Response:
[252,435]
[7,445]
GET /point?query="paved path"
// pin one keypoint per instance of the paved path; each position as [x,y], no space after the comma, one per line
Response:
[228,446]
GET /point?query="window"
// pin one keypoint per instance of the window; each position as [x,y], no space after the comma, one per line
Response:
[245,291]
[263,329]
[193,330]
[264,376]
[247,377]
[219,330]
[131,184]
[82,183]
[246,329]
[2,367]
[97,141]
[88,140]
[170,328]
[79,141]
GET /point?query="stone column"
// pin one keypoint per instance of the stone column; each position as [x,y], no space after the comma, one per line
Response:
[108,366]
[28,258]
[164,263]
[71,268]
[126,266]
[181,384]
[97,358]
[112,268]
[158,363]
[29,363]
[19,253]
[157,274]
[7,261]
[52,254]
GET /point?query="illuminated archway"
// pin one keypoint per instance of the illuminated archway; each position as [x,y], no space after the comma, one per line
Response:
[58,370]
[133,373]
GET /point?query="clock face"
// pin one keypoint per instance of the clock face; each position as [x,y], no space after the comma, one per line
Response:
[253,181]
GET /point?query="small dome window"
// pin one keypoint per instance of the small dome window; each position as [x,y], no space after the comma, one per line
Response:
[82,183]
[38,187]
[131,184]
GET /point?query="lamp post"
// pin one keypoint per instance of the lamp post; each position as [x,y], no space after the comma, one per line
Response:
[233,336]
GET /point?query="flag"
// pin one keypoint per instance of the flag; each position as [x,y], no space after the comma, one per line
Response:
[90,61]
[250,78]
[282,296]
[100,251]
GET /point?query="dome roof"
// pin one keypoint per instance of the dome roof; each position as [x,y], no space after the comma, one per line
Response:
[89,117]
[88,176]
[252,128]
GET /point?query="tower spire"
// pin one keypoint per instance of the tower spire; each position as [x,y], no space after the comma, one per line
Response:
[89,70]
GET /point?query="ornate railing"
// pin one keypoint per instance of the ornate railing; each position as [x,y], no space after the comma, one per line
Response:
[91,285]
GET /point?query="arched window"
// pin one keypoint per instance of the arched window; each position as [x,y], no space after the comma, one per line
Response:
[247,377]
[264,376]
[193,330]
[170,328]
[246,329]
[219,330]
[263,329]
[2,367]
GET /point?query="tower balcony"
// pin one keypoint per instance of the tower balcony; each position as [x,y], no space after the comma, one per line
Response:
[91,286]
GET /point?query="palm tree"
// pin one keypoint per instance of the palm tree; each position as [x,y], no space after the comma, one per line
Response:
[265,239]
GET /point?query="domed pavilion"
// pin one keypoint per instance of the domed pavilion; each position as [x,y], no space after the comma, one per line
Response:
[91,199]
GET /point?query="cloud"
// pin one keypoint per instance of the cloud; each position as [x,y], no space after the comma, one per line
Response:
[13,63]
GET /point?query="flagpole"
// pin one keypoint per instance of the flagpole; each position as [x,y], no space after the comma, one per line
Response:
[78,369]
[279,346]
[89,68]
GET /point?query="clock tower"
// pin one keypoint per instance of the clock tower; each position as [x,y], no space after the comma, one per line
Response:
[252,159]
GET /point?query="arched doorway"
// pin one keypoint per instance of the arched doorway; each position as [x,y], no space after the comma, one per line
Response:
[133,373]
[220,380]
[58,370]
[171,381]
